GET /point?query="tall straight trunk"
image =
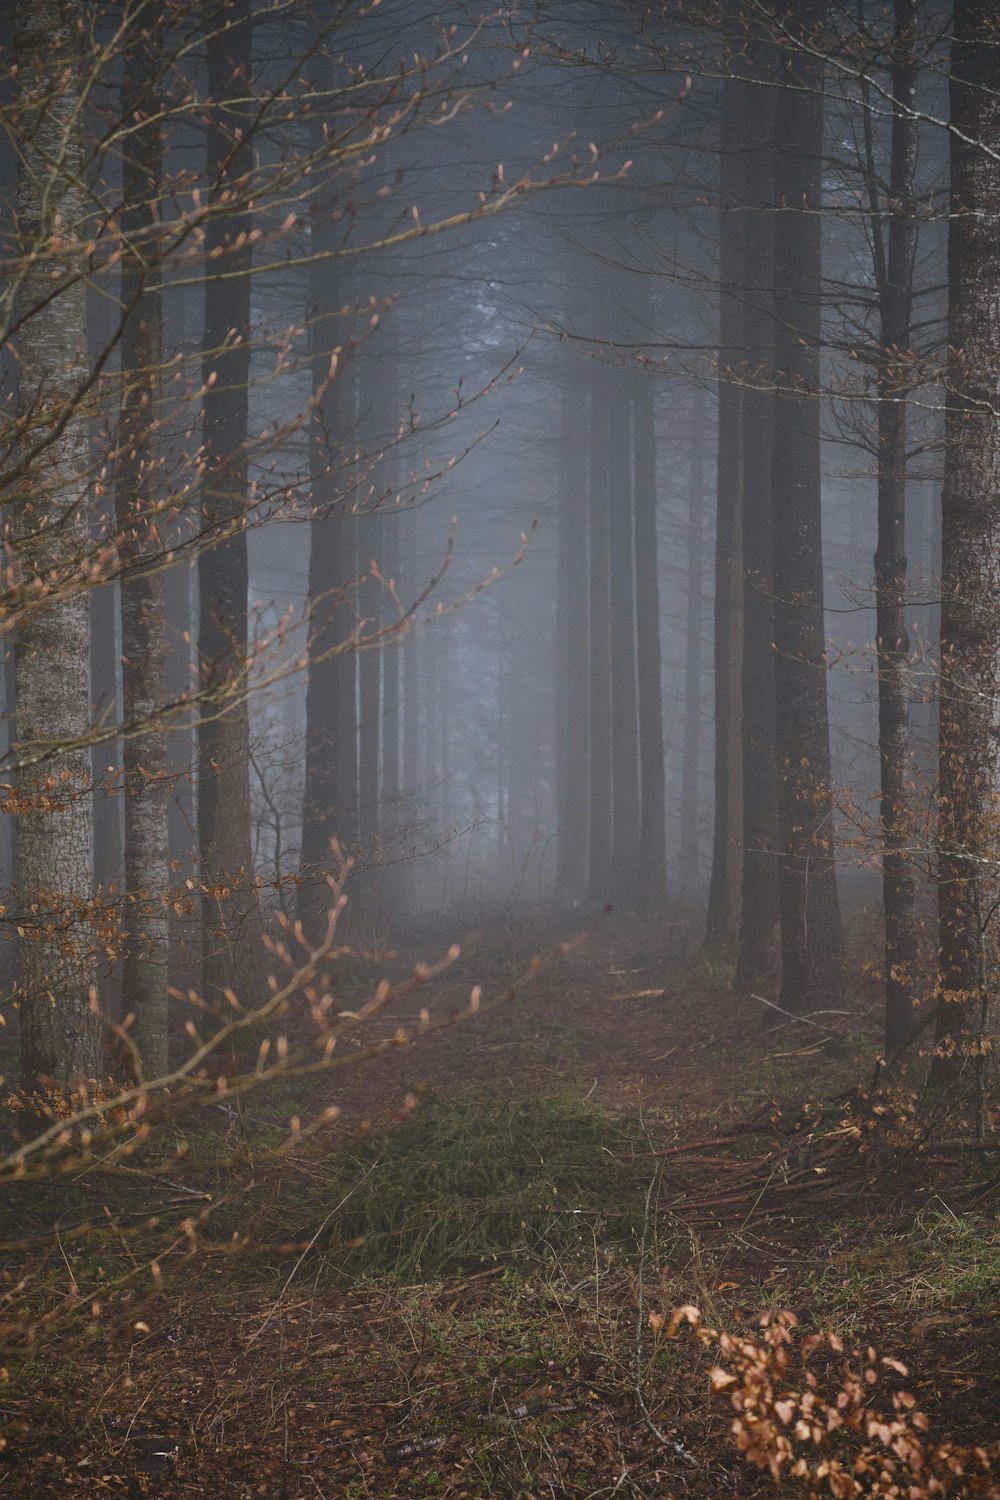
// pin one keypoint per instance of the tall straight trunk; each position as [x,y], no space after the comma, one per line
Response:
[600,884]
[502,753]
[442,640]
[143,605]
[571,695]
[727,649]
[652,759]
[409,666]
[812,945]
[969,746]
[430,662]
[759,903]
[330,800]
[390,811]
[369,687]
[624,691]
[387,484]
[692,644]
[103,321]
[105,657]
[230,916]
[60,1035]
[894,275]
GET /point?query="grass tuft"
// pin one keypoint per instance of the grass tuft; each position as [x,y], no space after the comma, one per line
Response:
[460,1185]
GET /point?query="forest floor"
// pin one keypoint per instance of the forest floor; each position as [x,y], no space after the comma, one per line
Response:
[470,1301]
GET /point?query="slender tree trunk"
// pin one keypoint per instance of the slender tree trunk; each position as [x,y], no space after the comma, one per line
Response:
[410,726]
[600,884]
[812,947]
[894,271]
[624,692]
[652,760]
[230,917]
[369,688]
[727,649]
[572,703]
[692,645]
[330,798]
[390,808]
[969,764]
[759,906]
[60,1035]
[137,487]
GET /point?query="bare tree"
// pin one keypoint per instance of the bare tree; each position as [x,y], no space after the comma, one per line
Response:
[229,902]
[969,766]
[812,949]
[60,1034]
[138,485]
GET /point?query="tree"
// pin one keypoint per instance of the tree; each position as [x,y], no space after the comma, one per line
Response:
[894,249]
[652,771]
[229,901]
[138,484]
[60,1032]
[812,950]
[624,700]
[759,913]
[690,769]
[727,649]
[572,722]
[601,744]
[969,745]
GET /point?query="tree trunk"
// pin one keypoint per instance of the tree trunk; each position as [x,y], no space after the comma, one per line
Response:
[727,649]
[894,275]
[230,916]
[571,695]
[969,747]
[600,884]
[60,1035]
[390,802]
[812,947]
[759,906]
[137,486]
[652,763]
[329,799]
[692,644]
[410,726]
[624,693]
[369,689]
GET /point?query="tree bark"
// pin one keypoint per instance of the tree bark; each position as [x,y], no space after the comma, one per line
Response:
[692,645]
[572,702]
[369,688]
[759,905]
[812,948]
[969,746]
[724,892]
[652,762]
[600,884]
[624,692]
[230,915]
[894,274]
[60,1035]
[143,605]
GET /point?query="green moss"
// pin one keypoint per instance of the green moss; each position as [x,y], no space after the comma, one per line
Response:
[462,1185]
